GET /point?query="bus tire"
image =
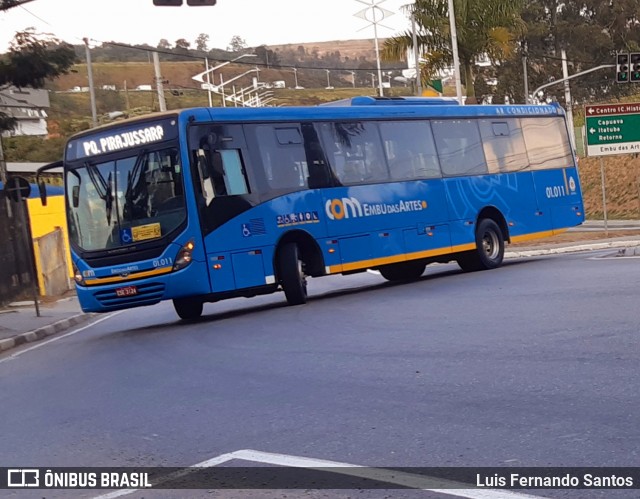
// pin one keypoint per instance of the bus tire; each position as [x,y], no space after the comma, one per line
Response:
[291,274]
[188,309]
[489,251]
[405,271]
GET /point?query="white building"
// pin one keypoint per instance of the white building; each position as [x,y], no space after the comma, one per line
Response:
[29,107]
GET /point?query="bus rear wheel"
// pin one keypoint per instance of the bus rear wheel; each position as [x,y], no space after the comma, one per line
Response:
[188,309]
[291,274]
[404,271]
[489,251]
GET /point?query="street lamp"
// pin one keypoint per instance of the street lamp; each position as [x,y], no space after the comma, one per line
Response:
[373,80]
[329,87]
[199,76]
[374,14]
[353,78]
[208,70]
[234,96]
[295,76]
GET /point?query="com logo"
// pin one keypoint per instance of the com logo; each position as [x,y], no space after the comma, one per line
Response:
[337,209]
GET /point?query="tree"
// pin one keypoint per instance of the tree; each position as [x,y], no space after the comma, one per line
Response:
[164,44]
[484,27]
[590,32]
[31,61]
[237,44]
[267,56]
[7,4]
[181,43]
[202,42]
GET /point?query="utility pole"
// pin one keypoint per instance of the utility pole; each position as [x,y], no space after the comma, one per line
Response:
[524,72]
[3,164]
[454,48]
[159,84]
[206,65]
[567,98]
[92,93]
[416,54]
[126,95]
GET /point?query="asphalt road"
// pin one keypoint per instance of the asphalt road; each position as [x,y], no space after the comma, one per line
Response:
[532,364]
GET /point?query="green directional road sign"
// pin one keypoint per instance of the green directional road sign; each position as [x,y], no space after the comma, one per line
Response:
[612,129]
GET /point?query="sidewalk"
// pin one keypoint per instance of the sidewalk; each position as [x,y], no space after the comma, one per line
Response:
[19,323]
[553,248]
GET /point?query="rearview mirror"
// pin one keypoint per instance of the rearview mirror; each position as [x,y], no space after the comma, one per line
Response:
[42,189]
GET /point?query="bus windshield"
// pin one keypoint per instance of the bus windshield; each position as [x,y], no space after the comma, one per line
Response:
[124,201]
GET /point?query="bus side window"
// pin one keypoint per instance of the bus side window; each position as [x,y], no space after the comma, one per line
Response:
[217,174]
[229,177]
[547,141]
[282,154]
[411,152]
[355,152]
[287,175]
[459,147]
[319,171]
[503,145]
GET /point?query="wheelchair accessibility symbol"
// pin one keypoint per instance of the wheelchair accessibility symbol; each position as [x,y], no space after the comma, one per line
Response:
[126,236]
[246,231]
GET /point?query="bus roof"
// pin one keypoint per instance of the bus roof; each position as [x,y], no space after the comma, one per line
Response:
[366,100]
[378,110]
[356,108]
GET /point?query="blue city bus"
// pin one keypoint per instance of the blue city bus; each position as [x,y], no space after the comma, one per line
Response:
[199,205]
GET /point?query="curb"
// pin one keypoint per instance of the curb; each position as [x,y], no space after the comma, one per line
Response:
[43,332]
[571,249]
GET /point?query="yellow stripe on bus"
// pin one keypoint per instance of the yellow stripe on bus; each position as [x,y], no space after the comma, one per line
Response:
[375,262]
[137,275]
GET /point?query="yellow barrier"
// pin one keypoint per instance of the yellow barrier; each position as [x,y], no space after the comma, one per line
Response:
[45,219]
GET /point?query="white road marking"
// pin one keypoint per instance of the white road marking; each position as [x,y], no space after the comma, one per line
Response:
[614,257]
[388,476]
[43,343]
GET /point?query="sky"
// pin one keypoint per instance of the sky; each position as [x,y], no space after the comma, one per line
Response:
[257,22]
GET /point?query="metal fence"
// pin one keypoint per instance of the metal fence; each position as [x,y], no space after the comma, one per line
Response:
[16,253]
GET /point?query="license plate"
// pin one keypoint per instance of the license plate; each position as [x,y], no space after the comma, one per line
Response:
[126,291]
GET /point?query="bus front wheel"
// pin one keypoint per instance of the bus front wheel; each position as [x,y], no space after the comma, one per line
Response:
[291,274]
[489,251]
[188,309]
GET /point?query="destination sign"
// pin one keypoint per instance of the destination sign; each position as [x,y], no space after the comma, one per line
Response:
[612,129]
[115,139]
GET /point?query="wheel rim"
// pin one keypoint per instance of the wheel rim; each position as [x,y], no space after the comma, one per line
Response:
[491,245]
[301,275]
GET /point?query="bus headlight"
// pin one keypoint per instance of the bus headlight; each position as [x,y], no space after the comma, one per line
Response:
[184,256]
[77,276]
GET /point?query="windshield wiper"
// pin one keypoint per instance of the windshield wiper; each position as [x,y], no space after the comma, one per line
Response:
[108,202]
[103,188]
[131,176]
